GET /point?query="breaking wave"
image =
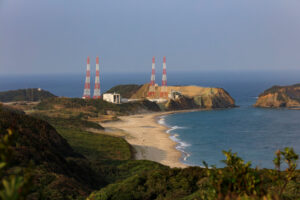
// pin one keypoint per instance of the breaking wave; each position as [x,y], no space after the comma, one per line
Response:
[181,145]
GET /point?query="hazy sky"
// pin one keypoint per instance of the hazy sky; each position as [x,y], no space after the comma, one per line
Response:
[55,36]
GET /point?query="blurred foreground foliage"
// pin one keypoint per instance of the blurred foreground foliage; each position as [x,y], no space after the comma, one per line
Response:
[15,181]
[237,180]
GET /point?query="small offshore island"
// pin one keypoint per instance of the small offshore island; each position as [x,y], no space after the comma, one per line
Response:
[280,97]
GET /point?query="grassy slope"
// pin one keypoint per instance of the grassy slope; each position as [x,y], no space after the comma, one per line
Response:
[96,147]
[126,91]
[58,171]
[110,156]
[95,107]
[32,94]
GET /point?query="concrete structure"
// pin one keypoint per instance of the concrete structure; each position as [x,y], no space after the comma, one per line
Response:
[87,85]
[164,90]
[174,95]
[158,100]
[97,91]
[151,92]
[112,97]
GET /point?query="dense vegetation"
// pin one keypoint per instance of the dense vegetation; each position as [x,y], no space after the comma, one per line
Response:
[101,167]
[126,91]
[31,94]
[97,106]
[70,122]
[58,171]
[236,181]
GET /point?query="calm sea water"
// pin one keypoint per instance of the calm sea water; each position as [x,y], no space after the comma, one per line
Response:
[254,133]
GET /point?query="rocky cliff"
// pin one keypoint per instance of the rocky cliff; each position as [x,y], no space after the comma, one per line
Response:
[280,96]
[192,97]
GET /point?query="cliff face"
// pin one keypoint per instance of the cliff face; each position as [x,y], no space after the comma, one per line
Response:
[181,103]
[213,98]
[192,97]
[280,96]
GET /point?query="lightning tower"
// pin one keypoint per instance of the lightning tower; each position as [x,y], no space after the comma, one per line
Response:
[87,89]
[151,92]
[97,93]
[164,90]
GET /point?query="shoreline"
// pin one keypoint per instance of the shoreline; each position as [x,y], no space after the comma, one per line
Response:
[148,137]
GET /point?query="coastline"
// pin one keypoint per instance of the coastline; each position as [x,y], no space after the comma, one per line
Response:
[149,138]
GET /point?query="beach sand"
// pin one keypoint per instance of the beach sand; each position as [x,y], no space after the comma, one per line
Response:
[148,138]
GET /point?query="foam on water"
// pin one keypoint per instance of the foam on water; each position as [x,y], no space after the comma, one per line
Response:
[174,128]
[161,120]
[181,145]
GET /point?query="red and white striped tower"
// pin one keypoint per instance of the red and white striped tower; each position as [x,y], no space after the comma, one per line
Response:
[97,93]
[87,85]
[164,90]
[151,92]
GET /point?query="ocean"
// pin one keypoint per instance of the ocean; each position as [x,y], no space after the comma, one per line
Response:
[254,133]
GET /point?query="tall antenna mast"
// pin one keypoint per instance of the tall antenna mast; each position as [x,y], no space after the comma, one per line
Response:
[164,90]
[97,92]
[87,87]
[151,92]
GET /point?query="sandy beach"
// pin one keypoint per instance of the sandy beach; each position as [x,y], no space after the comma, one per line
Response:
[148,138]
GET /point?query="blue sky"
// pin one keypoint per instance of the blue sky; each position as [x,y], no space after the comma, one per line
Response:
[56,36]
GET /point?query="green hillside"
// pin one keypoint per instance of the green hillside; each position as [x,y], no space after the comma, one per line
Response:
[69,162]
[97,106]
[58,171]
[31,94]
[126,91]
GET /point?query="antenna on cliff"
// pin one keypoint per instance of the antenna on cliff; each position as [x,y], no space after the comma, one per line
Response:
[97,93]
[87,87]
[151,92]
[164,90]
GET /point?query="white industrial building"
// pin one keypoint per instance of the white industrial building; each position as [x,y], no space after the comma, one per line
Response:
[112,97]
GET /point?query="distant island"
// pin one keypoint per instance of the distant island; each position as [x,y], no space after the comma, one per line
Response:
[280,97]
